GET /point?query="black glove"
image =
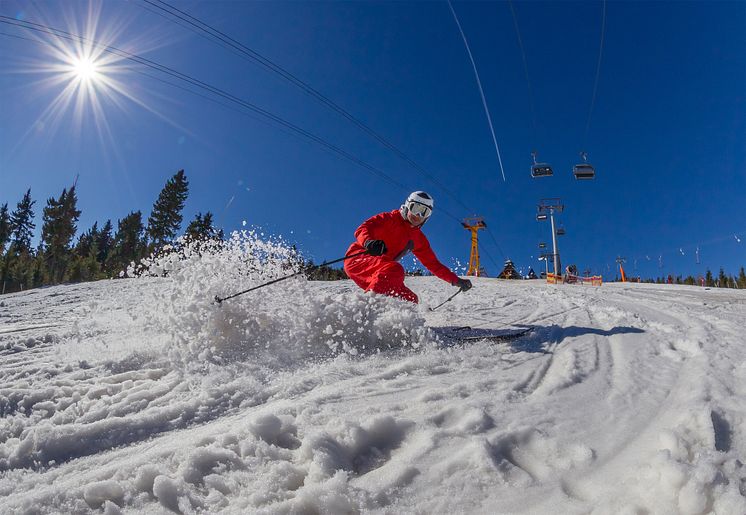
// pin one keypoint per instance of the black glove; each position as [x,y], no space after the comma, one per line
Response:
[375,247]
[463,284]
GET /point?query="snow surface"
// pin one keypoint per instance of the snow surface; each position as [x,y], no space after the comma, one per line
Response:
[143,396]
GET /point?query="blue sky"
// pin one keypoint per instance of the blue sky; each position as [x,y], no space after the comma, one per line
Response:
[667,133]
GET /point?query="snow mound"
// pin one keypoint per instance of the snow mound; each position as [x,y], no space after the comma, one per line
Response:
[143,396]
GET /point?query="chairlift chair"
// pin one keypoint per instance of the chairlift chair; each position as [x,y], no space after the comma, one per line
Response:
[540,169]
[542,245]
[541,217]
[560,231]
[584,170]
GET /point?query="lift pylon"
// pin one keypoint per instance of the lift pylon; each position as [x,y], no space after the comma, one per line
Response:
[551,206]
[473,224]
[620,261]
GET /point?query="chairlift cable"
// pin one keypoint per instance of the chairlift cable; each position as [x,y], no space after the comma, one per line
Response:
[200,84]
[242,50]
[212,89]
[236,46]
[481,91]
[598,73]
[699,245]
[525,70]
[495,241]
[133,69]
[183,24]
[482,249]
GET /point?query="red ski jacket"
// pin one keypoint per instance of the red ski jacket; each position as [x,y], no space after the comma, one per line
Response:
[400,237]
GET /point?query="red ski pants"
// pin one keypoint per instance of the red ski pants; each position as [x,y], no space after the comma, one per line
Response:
[379,275]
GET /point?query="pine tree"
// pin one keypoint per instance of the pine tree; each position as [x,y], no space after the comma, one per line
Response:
[741,281]
[709,281]
[18,272]
[201,228]
[22,226]
[722,279]
[4,227]
[165,219]
[60,223]
[104,242]
[128,243]
[35,271]
[17,264]
[86,241]
[84,264]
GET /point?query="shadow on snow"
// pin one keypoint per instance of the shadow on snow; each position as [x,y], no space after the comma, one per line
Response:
[525,338]
[541,336]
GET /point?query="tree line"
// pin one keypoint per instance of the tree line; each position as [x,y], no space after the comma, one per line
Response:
[722,280]
[101,251]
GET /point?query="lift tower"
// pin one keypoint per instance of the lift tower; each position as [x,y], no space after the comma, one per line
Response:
[620,261]
[473,224]
[551,206]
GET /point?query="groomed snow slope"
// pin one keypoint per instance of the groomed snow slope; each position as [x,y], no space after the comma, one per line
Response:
[141,396]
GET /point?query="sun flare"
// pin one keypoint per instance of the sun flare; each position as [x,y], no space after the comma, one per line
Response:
[85,69]
[86,77]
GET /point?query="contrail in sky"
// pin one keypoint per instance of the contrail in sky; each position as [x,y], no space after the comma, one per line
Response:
[481,92]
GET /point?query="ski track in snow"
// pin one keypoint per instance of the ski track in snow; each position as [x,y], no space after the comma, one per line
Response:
[126,397]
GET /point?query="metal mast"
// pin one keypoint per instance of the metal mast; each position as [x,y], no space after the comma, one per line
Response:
[620,261]
[473,225]
[551,206]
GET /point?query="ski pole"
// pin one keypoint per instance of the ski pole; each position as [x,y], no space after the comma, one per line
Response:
[447,300]
[304,270]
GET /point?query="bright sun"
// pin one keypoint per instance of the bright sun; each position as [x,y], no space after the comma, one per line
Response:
[84,69]
[88,76]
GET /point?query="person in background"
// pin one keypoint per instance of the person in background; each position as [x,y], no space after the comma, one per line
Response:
[390,236]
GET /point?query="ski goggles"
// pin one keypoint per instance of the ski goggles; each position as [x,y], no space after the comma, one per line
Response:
[418,209]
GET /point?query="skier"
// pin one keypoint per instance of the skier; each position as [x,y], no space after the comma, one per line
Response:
[390,236]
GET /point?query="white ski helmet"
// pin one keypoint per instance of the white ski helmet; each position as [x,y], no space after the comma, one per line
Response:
[418,203]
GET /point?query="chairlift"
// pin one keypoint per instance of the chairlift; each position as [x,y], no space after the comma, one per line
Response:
[540,169]
[542,245]
[584,170]
[560,231]
[541,217]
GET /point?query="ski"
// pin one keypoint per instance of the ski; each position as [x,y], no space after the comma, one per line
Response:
[469,334]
